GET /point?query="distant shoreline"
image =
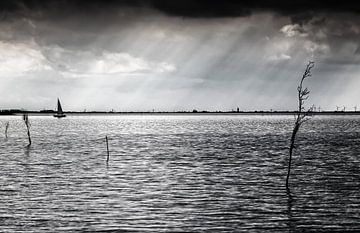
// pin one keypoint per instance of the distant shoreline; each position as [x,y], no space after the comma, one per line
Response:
[47,113]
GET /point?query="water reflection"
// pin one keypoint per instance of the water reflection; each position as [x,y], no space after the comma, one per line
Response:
[27,150]
[290,221]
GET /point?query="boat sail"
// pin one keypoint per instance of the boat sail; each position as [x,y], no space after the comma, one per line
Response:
[59,113]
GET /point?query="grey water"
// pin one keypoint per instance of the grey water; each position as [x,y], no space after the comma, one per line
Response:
[179,173]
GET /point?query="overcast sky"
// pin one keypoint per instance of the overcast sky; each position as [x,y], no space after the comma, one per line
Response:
[177,55]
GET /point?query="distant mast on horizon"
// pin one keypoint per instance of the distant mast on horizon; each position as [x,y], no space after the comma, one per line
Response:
[59,113]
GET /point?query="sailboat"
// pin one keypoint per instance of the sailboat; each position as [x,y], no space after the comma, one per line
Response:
[59,113]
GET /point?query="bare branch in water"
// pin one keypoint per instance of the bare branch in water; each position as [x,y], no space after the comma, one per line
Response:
[301,116]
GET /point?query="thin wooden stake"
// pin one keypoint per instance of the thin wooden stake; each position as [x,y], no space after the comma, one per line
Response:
[27,123]
[107,148]
[6,129]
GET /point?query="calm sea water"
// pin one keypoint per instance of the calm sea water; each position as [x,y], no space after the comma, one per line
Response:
[222,173]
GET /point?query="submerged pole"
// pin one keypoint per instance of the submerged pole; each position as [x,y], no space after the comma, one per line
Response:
[6,128]
[107,149]
[27,123]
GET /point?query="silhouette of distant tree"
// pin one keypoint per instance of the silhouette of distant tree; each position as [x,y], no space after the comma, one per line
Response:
[301,115]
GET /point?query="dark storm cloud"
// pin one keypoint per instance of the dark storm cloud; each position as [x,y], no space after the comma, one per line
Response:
[298,9]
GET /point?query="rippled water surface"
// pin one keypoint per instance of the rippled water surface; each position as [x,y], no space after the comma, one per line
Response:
[199,173]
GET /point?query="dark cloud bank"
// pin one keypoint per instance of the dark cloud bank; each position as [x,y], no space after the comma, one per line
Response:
[190,8]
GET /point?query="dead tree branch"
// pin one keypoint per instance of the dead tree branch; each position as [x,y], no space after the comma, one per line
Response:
[301,116]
